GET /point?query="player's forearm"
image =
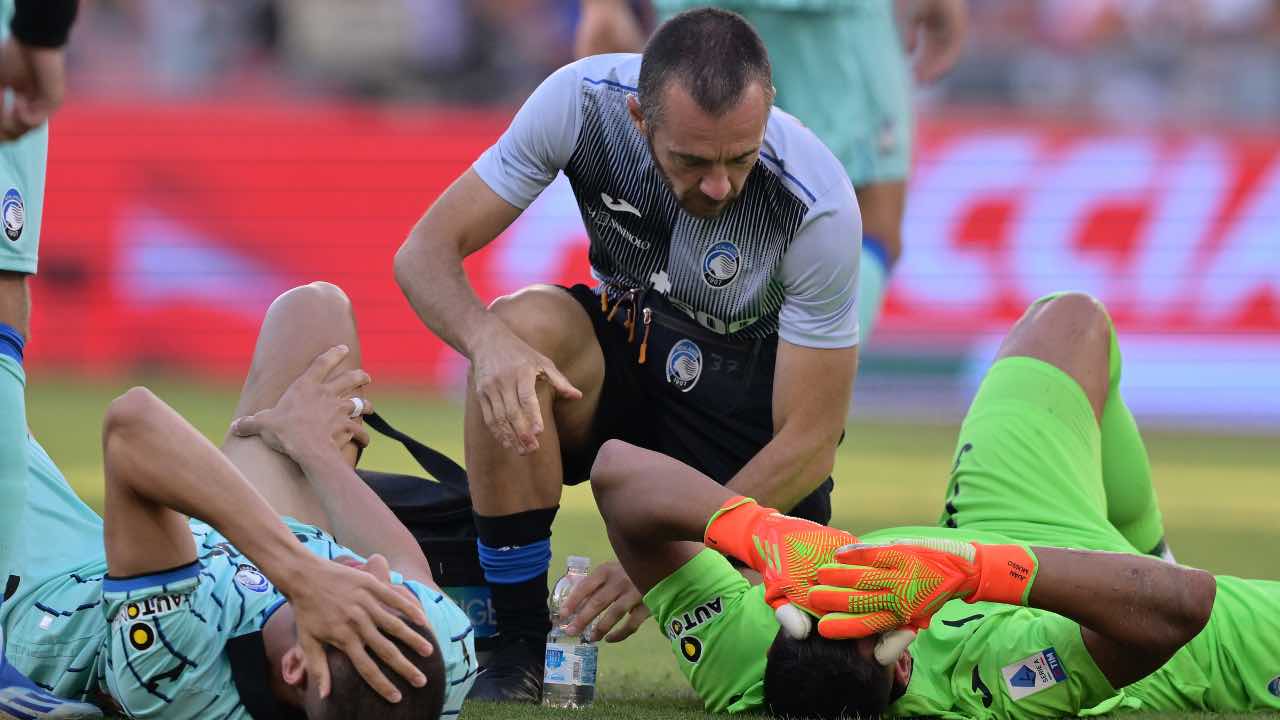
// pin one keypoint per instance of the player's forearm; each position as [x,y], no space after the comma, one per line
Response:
[166,462]
[641,493]
[359,518]
[430,273]
[1137,611]
[786,470]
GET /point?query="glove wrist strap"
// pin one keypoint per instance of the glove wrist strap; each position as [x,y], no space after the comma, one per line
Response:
[1006,574]
[730,529]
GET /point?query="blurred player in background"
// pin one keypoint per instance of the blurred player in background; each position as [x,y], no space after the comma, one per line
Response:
[724,330]
[33,74]
[839,66]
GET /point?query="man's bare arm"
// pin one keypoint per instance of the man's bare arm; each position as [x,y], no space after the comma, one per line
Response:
[1134,611]
[160,469]
[642,492]
[428,267]
[811,392]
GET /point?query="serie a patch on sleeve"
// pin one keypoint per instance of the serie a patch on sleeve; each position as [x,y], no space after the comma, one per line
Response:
[1033,674]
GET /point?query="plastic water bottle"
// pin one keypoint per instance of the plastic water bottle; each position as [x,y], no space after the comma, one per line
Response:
[569,674]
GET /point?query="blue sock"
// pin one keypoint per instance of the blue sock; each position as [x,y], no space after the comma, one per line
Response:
[515,553]
[11,342]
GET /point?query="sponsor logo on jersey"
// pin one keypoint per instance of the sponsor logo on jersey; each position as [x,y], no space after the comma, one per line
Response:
[684,365]
[691,649]
[720,264]
[142,636]
[619,205]
[15,214]
[151,607]
[605,221]
[1033,674]
[249,578]
[1274,686]
[695,617]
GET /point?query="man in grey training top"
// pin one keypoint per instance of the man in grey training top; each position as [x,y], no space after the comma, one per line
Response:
[723,331]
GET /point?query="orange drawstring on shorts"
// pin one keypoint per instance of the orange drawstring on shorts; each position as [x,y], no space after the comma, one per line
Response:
[644,343]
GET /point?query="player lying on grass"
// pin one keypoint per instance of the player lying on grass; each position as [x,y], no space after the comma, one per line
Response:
[1046,631]
[228,615]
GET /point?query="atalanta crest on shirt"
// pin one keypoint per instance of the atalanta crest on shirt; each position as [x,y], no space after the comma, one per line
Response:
[249,578]
[1274,686]
[684,365]
[15,215]
[720,264]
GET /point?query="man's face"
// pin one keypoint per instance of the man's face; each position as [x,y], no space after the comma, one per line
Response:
[705,159]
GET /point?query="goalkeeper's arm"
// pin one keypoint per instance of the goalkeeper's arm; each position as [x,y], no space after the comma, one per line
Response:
[1134,611]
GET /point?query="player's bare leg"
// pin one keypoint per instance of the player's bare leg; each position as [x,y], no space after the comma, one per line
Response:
[1071,332]
[1074,332]
[515,496]
[299,325]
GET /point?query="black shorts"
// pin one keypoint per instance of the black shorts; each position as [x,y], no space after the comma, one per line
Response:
[698,398]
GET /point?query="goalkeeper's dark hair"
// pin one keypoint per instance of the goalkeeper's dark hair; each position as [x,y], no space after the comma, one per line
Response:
[821,679]
[714,54]
[351,698]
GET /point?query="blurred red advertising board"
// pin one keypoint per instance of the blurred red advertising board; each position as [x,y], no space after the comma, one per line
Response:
[168,229]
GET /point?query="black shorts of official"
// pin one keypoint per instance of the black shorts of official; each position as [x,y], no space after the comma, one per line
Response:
[717,425]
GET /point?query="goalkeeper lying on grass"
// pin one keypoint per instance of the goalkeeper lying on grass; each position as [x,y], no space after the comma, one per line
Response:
[1048,458]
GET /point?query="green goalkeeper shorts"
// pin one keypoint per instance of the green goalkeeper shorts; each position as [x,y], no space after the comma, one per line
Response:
[1028,462]
[720,629]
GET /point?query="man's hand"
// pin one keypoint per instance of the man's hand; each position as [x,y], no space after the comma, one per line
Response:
[873,588]
[317,409]
[934,31]
[505,371]
[607,26]
[355,610]
[787,551]
[604,597]
[38,79]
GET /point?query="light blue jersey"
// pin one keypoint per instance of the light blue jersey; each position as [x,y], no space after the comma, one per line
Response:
[185,643]
[160,644]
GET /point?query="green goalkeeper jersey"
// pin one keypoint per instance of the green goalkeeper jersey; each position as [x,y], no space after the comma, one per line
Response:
[980,660]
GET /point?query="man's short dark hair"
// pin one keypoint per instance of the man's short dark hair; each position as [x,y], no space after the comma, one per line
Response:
[823,679]
[714,54]
[351,698]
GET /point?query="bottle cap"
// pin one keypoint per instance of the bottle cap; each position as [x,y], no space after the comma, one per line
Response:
[580,563]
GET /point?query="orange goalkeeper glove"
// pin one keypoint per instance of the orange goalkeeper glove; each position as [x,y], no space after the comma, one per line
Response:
[874,588]
[785,550]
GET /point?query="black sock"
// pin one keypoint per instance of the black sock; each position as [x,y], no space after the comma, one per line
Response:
[515,552]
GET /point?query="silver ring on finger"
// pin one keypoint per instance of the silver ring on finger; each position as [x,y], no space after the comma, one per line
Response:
[357,407]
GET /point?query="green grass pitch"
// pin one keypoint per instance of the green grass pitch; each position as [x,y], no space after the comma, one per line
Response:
[1217,492]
